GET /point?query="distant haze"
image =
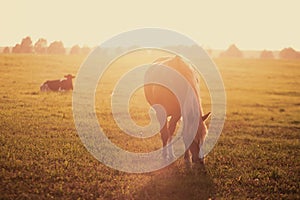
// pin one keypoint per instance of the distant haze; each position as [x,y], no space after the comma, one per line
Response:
[251,25]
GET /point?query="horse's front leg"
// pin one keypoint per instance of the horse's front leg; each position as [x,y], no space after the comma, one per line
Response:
[187,156]
[201,153]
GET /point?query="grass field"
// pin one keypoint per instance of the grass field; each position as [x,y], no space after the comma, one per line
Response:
[41,155]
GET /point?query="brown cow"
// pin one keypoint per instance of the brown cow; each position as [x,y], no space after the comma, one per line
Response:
[158,94]
[58,85]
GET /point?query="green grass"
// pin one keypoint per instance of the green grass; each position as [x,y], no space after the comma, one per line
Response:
[41,155]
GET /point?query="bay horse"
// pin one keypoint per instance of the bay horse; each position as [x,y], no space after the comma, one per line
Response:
[157,94]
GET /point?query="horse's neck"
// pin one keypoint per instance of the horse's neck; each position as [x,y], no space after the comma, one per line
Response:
[191,114]
[192,104]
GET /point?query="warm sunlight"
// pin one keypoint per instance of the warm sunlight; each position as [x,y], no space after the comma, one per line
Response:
[252,25]
[137,99]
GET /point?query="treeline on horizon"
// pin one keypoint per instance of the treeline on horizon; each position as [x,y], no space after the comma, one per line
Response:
[57,47]
[41,47]
[286,53]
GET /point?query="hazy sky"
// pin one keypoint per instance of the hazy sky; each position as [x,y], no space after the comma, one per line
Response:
[252,24]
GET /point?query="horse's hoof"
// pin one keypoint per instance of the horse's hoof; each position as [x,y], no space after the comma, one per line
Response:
[187,159]
[201,161]
[198,161]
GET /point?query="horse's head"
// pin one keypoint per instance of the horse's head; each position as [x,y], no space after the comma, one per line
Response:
[196,146]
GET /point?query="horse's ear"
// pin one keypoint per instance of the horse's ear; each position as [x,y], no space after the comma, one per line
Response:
[204,117]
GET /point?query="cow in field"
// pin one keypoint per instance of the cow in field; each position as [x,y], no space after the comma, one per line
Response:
[58,85]
[158,94]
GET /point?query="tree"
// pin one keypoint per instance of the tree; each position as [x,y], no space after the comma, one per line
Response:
[85,50]
[232,52]
[75,50]
[40,46]
[266,54]
[6,50]
[56,47]
[26,45]
[16,48]
[289,53]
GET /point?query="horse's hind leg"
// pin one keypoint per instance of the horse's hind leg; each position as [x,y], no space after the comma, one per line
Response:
[172,126]
[162,118]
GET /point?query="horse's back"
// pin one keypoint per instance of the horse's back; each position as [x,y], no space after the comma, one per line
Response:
[158,94]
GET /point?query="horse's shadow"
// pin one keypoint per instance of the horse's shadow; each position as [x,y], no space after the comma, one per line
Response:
[179,181]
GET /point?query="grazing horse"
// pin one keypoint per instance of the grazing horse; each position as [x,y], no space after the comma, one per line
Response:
[58,85]
[161,95]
